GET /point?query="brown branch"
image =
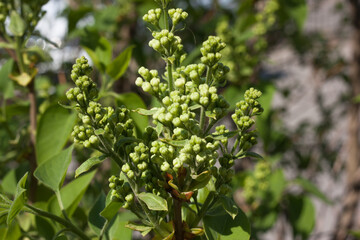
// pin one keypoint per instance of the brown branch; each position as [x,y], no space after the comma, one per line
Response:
[32,159]
[350,202]
[178,224]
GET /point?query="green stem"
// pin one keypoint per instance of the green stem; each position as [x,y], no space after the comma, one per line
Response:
[166,21]
[60,232]
[103,229]
[202,118]
[208,75]
[170,75]
[204,208]
[60,220]
[235,145]
[61,205]
[135,190]
[18,55]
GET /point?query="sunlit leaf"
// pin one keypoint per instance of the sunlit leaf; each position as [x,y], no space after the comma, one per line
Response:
[52,172]
[53,131]
[153,202]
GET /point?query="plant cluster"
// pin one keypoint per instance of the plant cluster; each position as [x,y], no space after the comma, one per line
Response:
[248,41]
[171,166]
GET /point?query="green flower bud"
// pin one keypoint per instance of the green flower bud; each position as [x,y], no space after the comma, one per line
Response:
[129,198]
[94,140]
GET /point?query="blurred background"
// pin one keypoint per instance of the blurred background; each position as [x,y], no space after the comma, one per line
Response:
[303,55]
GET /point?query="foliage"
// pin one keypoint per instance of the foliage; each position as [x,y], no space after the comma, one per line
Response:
[176,175]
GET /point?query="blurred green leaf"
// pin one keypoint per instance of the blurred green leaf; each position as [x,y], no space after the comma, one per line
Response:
[294,9]
[40,54]
[119,65]
[7,45]
[6,84]
[265,221]
[53,131]
[75,15]
[222,226]
[52,172]
[301,213]
[10,232]
[23,79]
[355,233]
[17,25]
[19,200]
[99,49]
[277,184]
[311,188]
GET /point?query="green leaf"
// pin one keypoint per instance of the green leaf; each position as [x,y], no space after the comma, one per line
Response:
[194,107]
[153,202]
[266,221]
[229,206]
[44,228]
[226,135]
[11,179]
[311,188]
[200,181]
[301,215]
[146,112]
[52,172]
[6,84]
[74,15]
[277,184]
[99,131]
[61,237]
[89,164]
[295,10]
[118,231]
[100,51]
[7,45]
[17,25]
[222,226]
[266,99]
[66,106]
[71,194]
[175,143]
[10,232]
[139,227]
[119,65]
[233,94]
[133,101]
[19,200]
[355,233]
[111,210]
[23,79]
[4,199]
[299,13]
[40,54]
[253,155]
[96,222]
[53,131]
